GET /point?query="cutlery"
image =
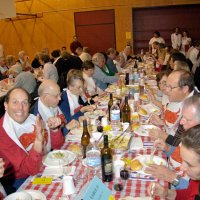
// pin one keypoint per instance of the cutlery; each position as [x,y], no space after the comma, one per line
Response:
[117,137]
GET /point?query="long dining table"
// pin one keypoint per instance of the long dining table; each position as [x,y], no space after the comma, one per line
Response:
[133,188]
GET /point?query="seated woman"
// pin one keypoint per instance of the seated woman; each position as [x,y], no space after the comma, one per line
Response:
[103,76]
[70,103]
[88,71]
[190,154]
[24,141]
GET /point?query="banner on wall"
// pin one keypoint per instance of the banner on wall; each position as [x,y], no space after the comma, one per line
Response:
[7,9]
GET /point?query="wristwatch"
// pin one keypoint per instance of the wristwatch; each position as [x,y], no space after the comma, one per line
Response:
[176,181]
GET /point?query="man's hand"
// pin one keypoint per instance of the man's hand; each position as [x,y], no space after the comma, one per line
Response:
[161,172]
[72,124]
[157,134]
[155,119]
[38,144]
[53,122]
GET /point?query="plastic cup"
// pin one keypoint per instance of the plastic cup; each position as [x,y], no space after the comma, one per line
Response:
[118,91]
[68,185]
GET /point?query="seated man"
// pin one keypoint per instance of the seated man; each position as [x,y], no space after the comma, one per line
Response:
[103,76]
[47,106]
[180,85]
[190,118]
[24,141]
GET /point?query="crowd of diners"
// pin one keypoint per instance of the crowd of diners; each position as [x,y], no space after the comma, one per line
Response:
[71,84]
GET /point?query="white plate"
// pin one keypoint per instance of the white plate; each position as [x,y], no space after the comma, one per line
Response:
[95,114]
[145,158]
[77,131]
[151,82]
[52,158]
[151,108]
[19,195]
[135,198]
[36,195]
[143,130]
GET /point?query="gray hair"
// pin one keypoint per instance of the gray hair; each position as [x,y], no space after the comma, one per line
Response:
[181,65]
[195,102]
[97,57]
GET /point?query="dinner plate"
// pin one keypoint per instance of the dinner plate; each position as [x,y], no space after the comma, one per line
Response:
[22,195]
[144,161]
[95,114]
[77,131]
[151,109]
[58,157]
[36,195]
[143,130]
[135,198]
[151,82]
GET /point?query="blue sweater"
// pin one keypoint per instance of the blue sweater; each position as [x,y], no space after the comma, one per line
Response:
[65,108]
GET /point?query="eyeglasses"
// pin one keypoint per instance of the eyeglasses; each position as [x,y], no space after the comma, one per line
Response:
[170,88]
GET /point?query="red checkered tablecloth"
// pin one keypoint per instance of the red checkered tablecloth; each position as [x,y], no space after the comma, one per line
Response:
[134,188]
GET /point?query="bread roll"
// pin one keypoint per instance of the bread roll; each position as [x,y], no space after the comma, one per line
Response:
[142,111]
[136,165]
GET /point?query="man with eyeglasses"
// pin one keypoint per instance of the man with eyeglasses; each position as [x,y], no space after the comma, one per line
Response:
[179,86]
[190,118]
[47,107]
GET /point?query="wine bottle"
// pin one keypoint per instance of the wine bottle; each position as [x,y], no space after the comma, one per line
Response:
[85,139]
[110,103]
[106,161]
[127,79]
[126,111]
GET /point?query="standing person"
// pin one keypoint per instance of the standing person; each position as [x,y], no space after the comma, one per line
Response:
[185,42]
[156,38]
[176,39]
[74,45]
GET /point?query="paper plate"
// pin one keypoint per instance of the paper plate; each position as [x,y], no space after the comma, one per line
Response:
[35,194]
[59,157]
[143,130]
[77,131]
[19,195]
[144,161]
[151,109]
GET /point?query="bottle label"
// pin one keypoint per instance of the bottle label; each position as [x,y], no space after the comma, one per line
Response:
[108,166]
[115,115]
[93,158]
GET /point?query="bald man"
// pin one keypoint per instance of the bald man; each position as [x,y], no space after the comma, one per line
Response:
[47,107]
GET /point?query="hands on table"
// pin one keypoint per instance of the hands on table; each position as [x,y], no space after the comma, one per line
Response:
[161,172]
[155,189]
[156,120]
[72,124]
[157,134]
